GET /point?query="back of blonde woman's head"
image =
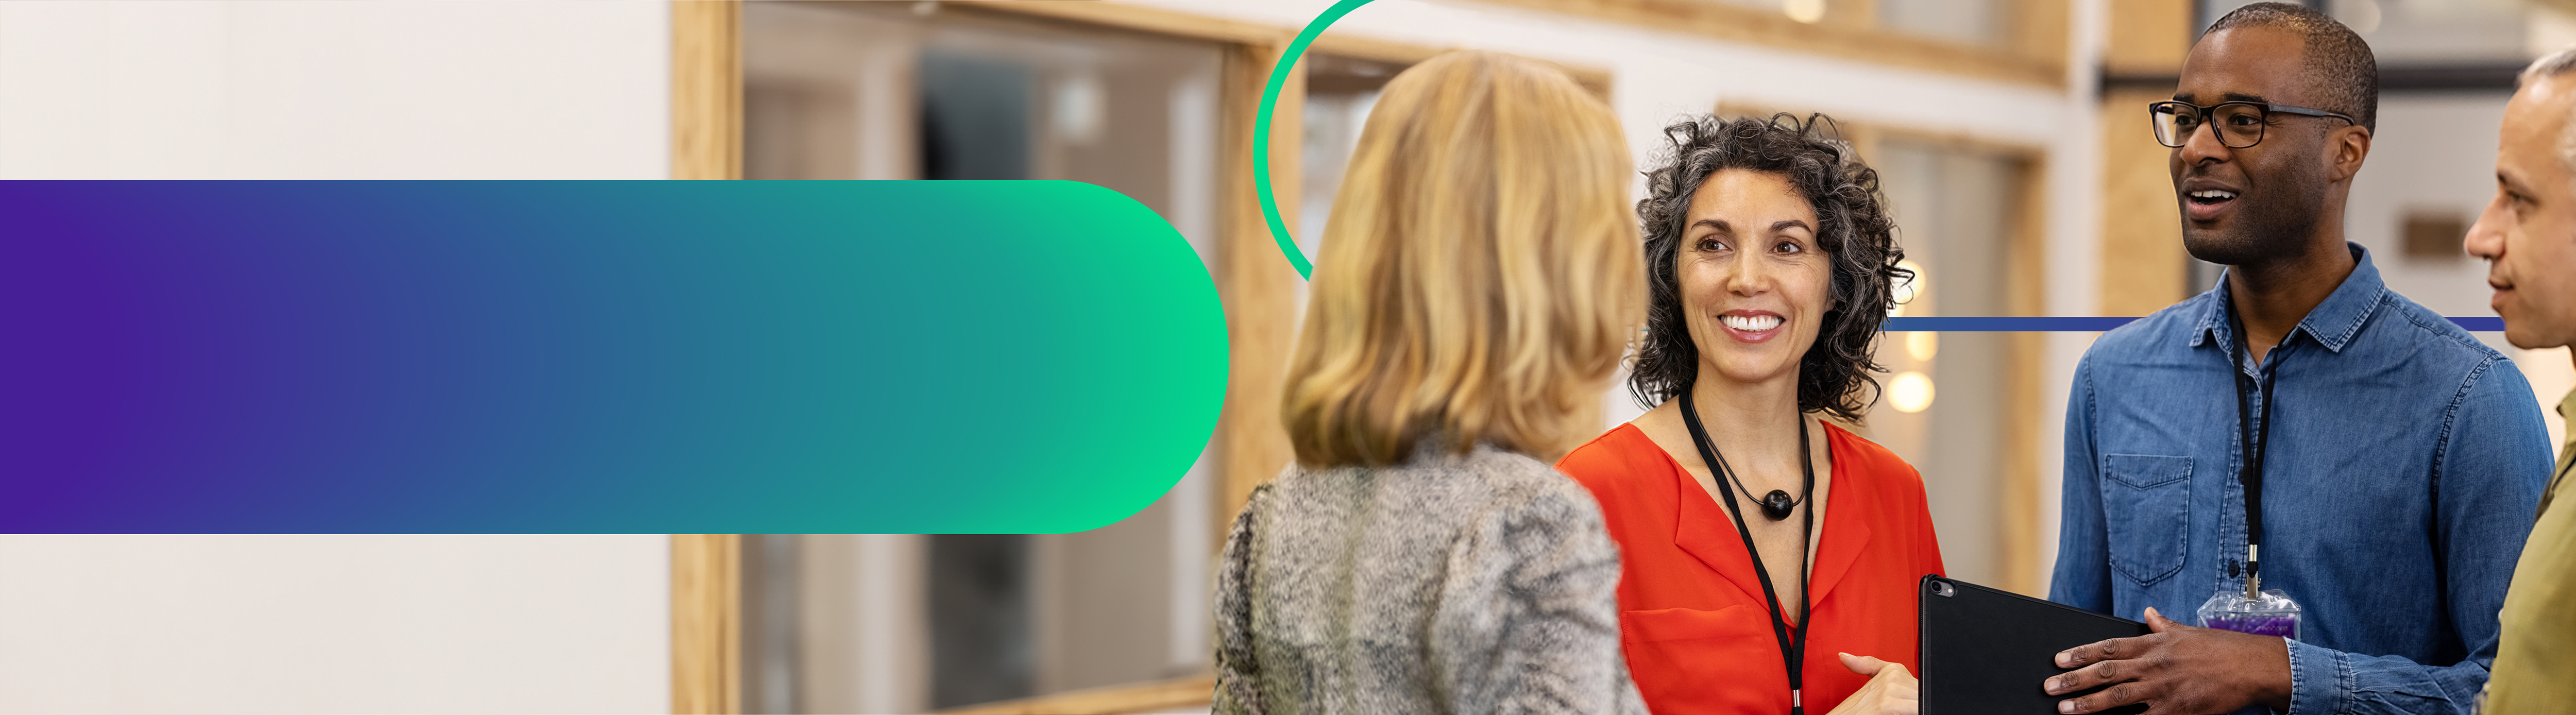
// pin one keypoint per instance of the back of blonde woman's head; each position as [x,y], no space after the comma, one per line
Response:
[1479,277]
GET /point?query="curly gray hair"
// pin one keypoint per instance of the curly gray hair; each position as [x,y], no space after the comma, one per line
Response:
[1855,231]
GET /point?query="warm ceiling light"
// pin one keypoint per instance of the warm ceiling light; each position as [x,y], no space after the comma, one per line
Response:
[1922,344]
[1910,392]
[1806,11]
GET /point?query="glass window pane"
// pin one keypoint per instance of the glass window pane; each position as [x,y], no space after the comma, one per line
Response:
[1956,211]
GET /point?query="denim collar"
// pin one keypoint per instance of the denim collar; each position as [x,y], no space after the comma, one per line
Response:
[2332,323]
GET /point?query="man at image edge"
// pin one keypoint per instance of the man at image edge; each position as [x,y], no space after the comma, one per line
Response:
[2528,237]
[2386,452]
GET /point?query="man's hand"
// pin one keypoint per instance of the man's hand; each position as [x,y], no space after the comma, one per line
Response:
[2177,670]
[1892,690]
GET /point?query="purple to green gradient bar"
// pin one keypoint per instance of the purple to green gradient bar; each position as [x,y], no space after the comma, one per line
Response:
[596,356]
[2087,324]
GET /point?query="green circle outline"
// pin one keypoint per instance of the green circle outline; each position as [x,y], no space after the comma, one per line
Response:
[1261,132]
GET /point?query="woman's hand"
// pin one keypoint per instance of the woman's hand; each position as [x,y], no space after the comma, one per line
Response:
[1892,690]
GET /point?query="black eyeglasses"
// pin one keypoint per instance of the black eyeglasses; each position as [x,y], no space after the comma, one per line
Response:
[2240,124]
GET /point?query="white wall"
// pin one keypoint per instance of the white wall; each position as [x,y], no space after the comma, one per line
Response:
[2436,151]
[336,623]
[386,89]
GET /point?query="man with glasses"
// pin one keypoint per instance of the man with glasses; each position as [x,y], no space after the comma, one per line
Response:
[2528,237]
[2298,434]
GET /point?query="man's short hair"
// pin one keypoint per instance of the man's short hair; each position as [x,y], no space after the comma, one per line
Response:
[2338,63]
[2557,63]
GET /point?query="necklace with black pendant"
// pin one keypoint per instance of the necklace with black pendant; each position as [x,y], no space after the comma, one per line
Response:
[1777,505]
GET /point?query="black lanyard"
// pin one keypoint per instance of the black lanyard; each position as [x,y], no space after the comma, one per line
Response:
[2256,440]
[1793,641]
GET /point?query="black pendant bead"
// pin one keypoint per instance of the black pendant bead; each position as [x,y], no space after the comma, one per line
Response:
[1777,505]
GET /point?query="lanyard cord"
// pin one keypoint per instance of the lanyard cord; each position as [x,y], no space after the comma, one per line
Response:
[2257,440]
[1793,641]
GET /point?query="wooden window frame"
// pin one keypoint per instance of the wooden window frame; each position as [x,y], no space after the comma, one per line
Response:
[706,623]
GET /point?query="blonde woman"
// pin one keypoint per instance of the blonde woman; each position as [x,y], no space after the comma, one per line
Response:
[1478,284]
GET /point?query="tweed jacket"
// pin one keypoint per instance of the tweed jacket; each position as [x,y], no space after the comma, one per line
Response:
[1475,583]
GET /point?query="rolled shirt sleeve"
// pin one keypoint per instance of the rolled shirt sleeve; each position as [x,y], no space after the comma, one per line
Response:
[2494,462]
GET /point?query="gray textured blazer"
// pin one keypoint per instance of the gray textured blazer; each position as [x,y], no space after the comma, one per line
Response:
[1481,583]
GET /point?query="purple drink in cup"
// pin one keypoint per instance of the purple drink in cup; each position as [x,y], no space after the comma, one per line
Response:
[2283,626]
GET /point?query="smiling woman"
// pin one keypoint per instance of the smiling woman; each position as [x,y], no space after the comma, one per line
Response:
[1770,261]
[1779,158]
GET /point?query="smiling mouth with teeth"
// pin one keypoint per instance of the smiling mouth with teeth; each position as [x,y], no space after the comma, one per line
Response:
[2211,196]
[1751,323]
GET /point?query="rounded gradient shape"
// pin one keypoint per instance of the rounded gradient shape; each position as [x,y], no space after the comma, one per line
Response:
[1261,131]
[596,356]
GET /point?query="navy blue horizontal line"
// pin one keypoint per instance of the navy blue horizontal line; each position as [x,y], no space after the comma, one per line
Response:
[2088,324]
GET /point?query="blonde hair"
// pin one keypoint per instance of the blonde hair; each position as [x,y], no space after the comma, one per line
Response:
[1480,277]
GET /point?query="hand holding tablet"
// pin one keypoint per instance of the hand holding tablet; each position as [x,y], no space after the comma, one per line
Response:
[1986,652]
[2182,669]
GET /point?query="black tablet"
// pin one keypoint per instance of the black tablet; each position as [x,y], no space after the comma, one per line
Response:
[1986,651]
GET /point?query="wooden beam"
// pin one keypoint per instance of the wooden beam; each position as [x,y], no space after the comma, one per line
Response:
[1143,19]
[1254,279]
[1199,27]
[2144,266]
[2149,37]
[2026,59]
[2038,32]
[1176,694]
[706,89]
[706,624]
[706,569]
[1595,79]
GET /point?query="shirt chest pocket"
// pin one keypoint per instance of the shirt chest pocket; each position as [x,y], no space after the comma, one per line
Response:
[2146,504]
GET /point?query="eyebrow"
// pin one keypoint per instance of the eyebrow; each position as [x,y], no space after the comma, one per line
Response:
[2188,98]
[2511,182]
[1776,225]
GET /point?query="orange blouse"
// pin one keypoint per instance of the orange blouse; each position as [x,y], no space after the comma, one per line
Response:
[1692,619]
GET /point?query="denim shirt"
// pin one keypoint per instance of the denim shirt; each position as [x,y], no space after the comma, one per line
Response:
[2405,462]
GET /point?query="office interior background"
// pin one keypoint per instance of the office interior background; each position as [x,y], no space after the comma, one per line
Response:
[2011,135]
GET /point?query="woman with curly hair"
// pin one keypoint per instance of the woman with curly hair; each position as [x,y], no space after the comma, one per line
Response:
[1767,554]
